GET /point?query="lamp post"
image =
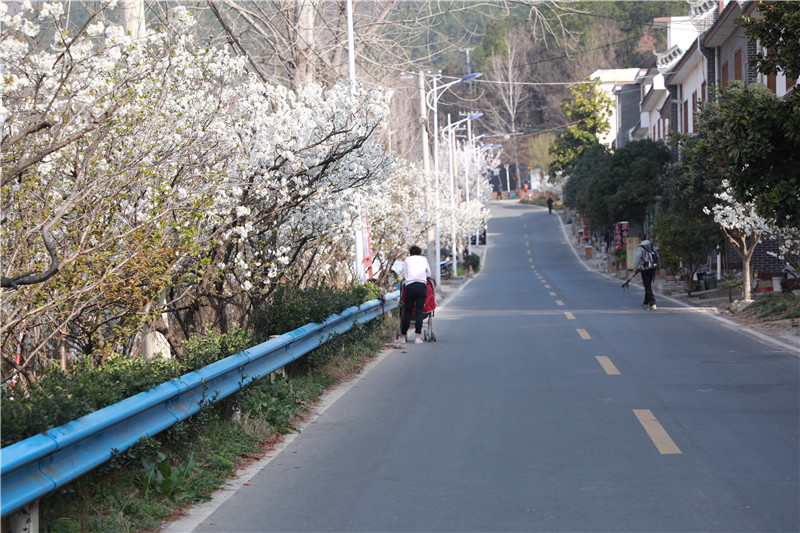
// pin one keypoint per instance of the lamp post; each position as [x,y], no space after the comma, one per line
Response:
[450,142]
[432,101]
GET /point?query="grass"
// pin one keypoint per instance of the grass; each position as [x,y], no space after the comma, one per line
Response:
[775,307]
[140,489]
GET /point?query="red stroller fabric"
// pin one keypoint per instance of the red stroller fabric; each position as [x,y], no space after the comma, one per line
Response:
[430,299]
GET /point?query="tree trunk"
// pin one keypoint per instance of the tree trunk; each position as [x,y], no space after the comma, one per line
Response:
[303,52]
[739,241]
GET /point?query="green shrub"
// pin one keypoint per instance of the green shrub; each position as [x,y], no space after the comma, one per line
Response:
[290,308]
[474,261]
[60,397]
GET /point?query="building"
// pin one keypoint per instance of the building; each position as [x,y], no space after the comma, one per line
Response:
[610,79]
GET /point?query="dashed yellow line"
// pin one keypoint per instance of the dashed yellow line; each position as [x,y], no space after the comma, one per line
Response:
[607,365]
[546,286]
[569,315]
[584,334]
[657,433]
[560,303]
[552,294]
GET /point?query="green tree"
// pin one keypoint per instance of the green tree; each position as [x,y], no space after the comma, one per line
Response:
[684,231]
[771,176]
[751,137]
[635,170]
[588,111]
[577,193]
[777,28]
[606,188]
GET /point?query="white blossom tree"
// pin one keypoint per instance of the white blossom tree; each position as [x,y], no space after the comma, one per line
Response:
[107,168]
[139,171]
[743,227]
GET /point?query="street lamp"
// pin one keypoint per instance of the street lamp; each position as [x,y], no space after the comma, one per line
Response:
[450,141]
[432,101]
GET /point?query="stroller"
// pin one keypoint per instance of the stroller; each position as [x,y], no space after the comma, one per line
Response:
[428,335]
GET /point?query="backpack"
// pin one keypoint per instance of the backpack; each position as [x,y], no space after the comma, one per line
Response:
[649,258]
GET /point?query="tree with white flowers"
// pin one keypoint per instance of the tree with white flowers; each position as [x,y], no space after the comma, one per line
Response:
[153,175]
[110,156]
[743,227]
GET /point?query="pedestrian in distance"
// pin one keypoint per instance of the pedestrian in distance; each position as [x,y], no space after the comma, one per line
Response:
[416,272]
[646,263]
[550,205]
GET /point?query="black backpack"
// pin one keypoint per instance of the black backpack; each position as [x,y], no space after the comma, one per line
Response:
[649,258]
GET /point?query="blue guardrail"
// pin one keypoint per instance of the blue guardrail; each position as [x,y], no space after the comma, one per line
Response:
[35,466]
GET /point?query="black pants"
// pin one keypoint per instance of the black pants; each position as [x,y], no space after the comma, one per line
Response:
[647,281]
[414,298]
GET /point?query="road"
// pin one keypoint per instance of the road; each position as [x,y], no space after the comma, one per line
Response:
[551,402]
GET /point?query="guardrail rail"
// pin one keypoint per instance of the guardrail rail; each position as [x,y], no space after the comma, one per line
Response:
[38,465]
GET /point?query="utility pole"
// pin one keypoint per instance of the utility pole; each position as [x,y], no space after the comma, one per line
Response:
[133,17]
[430,243]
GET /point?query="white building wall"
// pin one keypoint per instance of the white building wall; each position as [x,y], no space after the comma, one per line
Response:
[610,78]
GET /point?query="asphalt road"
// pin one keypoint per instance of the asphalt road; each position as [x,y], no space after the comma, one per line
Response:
[551,402]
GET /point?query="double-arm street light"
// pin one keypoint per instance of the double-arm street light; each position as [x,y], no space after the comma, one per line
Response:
[448,130]
[432,101]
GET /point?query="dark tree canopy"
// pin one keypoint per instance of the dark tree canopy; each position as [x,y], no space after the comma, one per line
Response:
[777,27]
[751,137]
[608,188]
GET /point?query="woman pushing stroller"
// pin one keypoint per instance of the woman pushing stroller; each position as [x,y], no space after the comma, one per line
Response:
[416,272]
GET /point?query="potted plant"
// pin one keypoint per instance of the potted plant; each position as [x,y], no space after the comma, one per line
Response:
[620,255]
[670,264]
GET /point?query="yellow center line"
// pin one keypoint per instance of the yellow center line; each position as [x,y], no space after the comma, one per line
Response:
[530,260]
[560,303]
[607,365]
[584,334]
[657,432]
[569,315]
[546,286]
[552,294]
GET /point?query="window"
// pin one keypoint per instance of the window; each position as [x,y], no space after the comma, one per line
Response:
[685,116]
[703,94]
[737,65]
[724,80]
[694,110]
[772,83]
